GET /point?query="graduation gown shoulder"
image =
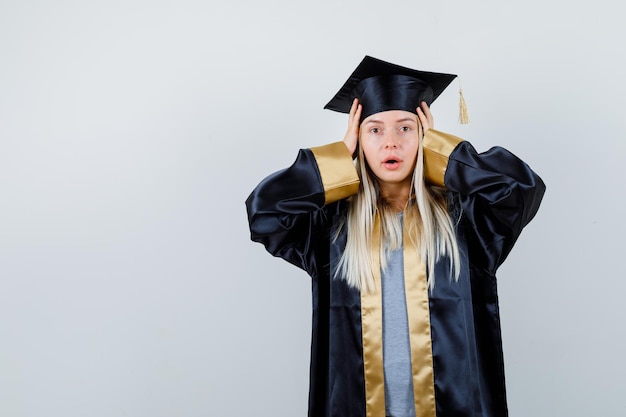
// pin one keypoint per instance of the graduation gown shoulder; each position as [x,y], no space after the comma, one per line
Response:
[295,213]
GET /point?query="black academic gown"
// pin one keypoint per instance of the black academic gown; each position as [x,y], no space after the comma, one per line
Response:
[454,329]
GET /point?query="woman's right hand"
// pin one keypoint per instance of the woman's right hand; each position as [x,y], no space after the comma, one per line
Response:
[354,120]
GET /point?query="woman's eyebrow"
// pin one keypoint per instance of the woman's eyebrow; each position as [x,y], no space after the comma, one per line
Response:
[406,119]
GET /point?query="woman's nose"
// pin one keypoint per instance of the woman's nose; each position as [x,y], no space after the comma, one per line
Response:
[390,141]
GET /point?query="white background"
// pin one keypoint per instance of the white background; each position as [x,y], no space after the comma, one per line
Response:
[131,133]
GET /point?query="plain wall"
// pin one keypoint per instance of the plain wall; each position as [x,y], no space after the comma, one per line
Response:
[131,133]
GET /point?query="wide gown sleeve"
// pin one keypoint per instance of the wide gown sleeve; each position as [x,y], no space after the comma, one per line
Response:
[285,211]
[499,193]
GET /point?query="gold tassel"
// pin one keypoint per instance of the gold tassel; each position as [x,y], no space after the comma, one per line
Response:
[463,114]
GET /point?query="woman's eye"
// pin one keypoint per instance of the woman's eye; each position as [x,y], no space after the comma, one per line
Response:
[405,128]
[375,130]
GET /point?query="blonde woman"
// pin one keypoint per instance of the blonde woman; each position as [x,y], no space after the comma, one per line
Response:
[402,244]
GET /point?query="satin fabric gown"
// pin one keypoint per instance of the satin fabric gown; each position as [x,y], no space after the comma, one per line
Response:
[456,346]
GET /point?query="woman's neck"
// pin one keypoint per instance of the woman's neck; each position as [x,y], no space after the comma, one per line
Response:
[396,195]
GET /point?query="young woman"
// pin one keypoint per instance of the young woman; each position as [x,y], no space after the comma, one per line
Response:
[402,245]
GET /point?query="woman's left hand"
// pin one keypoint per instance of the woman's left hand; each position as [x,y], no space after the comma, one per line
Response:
[425,116]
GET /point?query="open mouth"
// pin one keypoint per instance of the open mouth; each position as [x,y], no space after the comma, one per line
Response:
[391,163]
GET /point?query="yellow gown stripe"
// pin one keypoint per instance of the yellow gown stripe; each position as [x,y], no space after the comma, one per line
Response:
[418,313]
[437,149]
[372,334]
[337,170]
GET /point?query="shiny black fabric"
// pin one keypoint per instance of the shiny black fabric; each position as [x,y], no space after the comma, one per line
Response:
[378,74]
[287,214]
[392,92]
[496,195]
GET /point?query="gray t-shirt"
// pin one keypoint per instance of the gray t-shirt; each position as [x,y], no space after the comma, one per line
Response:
[399,399]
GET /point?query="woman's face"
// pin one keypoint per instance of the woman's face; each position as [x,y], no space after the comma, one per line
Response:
[390,142]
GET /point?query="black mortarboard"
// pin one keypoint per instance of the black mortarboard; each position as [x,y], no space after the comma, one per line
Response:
[382,86]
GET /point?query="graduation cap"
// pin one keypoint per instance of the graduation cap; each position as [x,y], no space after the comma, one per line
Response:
[382,86]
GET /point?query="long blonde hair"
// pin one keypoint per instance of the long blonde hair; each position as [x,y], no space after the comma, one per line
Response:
[428,224]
